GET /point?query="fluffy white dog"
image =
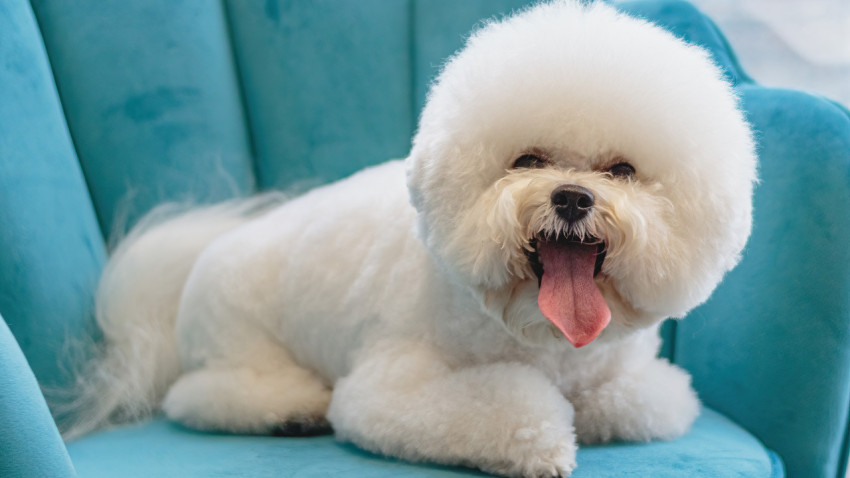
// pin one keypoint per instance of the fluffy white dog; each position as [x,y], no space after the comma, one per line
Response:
[578,176]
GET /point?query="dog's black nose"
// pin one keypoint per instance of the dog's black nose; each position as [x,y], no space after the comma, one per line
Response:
[572,202]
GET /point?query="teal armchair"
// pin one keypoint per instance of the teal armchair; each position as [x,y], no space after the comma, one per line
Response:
[109,108]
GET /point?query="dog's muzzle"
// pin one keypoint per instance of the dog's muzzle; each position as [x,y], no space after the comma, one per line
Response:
[566,264]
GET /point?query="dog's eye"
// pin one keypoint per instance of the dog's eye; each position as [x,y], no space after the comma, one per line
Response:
[622,171]
[530,161]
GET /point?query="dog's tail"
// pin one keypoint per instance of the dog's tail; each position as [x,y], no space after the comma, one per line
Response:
[136,309]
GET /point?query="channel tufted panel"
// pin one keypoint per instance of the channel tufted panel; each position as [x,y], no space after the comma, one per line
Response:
[51,249]
[152,101]
[327,85]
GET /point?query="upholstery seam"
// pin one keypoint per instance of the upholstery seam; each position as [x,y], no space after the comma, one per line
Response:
[236,65]
[841,469]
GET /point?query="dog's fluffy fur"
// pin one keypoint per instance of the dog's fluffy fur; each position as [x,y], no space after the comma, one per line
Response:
[401,304]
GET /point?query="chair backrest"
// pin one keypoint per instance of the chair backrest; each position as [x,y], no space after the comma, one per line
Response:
[109,108]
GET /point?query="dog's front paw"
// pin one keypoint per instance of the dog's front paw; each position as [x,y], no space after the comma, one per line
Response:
[658,403]
[548,450]
[504,418]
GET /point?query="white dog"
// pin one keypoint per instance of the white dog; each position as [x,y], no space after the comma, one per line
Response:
[577,176]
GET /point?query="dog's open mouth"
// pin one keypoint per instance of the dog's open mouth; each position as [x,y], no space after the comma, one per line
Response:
[569,297]
[537,266]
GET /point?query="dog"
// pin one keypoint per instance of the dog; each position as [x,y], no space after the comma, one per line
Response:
[577,177]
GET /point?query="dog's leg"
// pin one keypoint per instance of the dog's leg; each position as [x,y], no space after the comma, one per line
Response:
[503,418]
[655,401]
[274,396]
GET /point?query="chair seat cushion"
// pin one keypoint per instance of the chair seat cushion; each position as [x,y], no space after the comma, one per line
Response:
[715,447]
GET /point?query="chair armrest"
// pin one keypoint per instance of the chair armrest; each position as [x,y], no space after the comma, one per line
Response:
[30,445]
[771,348]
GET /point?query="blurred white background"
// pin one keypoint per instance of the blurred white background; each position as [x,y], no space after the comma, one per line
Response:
[801,44]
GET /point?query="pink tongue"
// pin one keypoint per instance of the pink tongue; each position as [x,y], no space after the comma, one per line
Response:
[568,294]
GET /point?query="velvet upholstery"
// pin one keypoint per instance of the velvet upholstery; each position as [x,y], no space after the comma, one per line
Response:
[152,101]
[110,108]
[715,448]
[51,249]
[26,421]
[789,299]
[327,86]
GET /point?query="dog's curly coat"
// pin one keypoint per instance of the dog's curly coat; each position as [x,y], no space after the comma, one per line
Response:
[577,176]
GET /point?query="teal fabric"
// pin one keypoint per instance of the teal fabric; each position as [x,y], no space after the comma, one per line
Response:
[51,250]
[30,446]
[772,347]
[716,447]
[195,100]
[152,100]
[327,85]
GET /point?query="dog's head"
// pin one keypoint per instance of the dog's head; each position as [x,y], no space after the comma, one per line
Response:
[578,165]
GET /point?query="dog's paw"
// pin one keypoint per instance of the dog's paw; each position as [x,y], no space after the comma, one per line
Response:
[301,425]
[657,404]
[241,400]
[546,451]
